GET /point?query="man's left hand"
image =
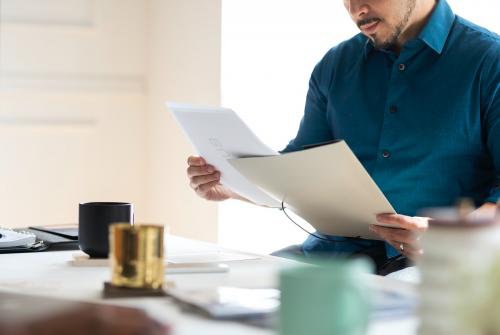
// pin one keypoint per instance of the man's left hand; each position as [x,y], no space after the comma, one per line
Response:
[404,235]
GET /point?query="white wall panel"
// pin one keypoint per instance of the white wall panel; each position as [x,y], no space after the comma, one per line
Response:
[82,117]
[113,44]
[72,107]
[71,12]
[12,81]
[63,149]
[184,65]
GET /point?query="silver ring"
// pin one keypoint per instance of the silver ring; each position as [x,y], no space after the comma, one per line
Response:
[401,247]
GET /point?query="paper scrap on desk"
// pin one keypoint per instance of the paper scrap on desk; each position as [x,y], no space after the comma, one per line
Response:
[210,257]
[218,134]
[231,302]
[82,260]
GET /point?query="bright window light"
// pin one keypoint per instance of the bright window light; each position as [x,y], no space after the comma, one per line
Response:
[269,49]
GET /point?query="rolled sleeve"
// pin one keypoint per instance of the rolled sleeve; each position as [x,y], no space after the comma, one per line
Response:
[492,117]
[314,127]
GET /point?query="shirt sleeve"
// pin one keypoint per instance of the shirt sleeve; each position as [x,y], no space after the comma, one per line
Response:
[492,116]
[314,127]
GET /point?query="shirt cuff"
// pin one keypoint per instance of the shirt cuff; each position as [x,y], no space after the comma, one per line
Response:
[494,195]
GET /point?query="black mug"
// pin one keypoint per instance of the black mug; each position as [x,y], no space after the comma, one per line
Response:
[94,219]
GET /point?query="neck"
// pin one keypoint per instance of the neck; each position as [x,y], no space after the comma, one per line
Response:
[421,14]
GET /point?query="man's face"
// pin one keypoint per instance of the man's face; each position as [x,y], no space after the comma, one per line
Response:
[383,21]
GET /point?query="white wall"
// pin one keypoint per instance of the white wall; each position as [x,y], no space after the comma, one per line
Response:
[269,49]
[72,101]
[184,65]
[82,87]
[82,117]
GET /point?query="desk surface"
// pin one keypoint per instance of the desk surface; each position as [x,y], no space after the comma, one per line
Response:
[51,274]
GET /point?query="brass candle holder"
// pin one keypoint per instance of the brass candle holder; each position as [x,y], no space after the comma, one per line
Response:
[137,260]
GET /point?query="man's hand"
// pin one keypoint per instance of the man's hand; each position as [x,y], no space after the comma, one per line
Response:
[406,237]
[204,179]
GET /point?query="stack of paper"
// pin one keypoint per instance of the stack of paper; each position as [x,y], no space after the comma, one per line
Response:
[326,185]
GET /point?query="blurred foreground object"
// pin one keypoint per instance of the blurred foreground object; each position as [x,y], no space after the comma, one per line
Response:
[25,315]
[136,254]
[329,299]
[460,288]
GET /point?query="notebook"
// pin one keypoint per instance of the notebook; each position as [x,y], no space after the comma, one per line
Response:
[10,238]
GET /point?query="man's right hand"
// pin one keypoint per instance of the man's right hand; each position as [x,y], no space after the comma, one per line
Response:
[204,179]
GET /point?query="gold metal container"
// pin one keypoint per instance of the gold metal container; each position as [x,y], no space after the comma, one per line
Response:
[136,254]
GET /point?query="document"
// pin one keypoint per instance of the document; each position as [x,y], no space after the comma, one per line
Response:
[218,134]
[209,257]
[236,303]
[327,185]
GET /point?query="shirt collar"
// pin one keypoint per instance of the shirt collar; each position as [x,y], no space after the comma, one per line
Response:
[436,31]
[368,47]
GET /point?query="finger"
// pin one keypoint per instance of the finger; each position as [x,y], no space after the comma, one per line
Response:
[414,256]
[412,253]
[198,181]
[205,188]
[395,234]
[409,250]
[196,161]
[194,171]
[396,245]
[403,221]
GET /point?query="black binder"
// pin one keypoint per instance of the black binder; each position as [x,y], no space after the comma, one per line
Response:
[48,239]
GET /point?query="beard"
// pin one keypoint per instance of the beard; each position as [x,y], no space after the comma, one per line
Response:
[391,41]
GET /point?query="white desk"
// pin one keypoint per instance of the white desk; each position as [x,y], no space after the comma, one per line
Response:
[50,274]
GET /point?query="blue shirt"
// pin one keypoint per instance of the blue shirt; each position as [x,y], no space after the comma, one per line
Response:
[425,124]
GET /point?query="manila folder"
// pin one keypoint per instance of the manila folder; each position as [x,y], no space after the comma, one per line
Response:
[327,186]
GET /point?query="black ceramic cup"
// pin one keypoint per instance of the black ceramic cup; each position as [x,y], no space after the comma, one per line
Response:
[94,219]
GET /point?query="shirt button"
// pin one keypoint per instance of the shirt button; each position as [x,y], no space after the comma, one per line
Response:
[393,109]
[402,67]
[386,154]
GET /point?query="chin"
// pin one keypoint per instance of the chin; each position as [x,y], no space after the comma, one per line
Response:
[377,42]
[381,43]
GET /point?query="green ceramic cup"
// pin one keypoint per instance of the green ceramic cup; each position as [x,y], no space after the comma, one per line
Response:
[328,299]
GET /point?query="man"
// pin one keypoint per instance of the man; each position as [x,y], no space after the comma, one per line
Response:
[416,96]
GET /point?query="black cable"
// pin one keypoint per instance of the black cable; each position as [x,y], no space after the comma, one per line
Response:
[352,240]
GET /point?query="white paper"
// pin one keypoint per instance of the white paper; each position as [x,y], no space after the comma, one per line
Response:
[10,238]
[218,134]
[81,259]
[211,257]
[326,185]
[231,302]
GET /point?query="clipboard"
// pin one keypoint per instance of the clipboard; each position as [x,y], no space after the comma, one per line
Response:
[326,185]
